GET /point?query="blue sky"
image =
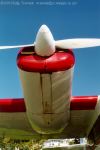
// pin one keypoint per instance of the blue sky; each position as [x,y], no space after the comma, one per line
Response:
[19,23]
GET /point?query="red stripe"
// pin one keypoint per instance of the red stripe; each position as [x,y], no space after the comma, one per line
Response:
[77,103]
[12,105]
[59,61]
[83,102]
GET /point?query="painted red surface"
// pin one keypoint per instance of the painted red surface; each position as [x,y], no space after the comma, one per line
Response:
[77,103]
[83,102]
[12,105]
[59,61]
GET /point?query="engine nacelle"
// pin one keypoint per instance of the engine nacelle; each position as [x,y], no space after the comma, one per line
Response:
[46,83]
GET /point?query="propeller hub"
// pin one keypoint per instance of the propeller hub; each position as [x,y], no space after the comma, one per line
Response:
[44,44]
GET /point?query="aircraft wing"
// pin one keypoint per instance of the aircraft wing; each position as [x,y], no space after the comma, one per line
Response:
[84,113]
[14,121]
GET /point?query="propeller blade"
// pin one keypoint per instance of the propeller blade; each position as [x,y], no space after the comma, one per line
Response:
[77,43]
[17,46]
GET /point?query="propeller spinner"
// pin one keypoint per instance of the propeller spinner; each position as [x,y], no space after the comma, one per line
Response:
[45,45]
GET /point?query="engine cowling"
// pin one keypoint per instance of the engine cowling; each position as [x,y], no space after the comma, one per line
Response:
[46,84]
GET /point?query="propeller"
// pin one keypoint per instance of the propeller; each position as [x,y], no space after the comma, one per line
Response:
[77,43]
[45,45]
[66,43]
[17,46]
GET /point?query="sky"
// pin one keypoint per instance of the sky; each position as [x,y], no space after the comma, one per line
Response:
[19,23]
